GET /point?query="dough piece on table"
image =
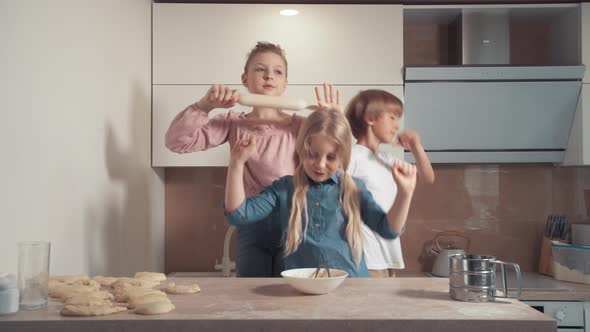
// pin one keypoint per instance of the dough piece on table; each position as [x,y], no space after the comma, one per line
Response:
[70,279]
[154,308]
[145,299]
[125,282]
[95,296]
[105,281]
[143,283]
[56,289]
[173,288]
[139,293]
[129,294]
[86,301]
[54,283]
[121,293]
[150,276]
[64,290]
[90,283]
[93,310]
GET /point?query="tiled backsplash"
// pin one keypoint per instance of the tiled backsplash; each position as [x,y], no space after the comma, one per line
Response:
[502,208]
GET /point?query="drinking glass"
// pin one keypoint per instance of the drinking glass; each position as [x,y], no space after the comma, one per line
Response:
[33,273]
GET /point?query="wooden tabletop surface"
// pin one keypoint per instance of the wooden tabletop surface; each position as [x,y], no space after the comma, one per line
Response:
[241,304]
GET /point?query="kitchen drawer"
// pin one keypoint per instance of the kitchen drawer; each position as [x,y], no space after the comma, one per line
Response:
[169,100]
[341,44]
[568,314]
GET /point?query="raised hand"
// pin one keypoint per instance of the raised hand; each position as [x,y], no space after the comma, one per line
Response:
[409,139]
[218,96]
[330,100]
[404,175]
[243,150]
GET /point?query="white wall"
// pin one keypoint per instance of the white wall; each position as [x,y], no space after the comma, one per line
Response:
[75,99]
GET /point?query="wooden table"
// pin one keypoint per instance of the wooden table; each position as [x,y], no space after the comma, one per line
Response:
[231,304]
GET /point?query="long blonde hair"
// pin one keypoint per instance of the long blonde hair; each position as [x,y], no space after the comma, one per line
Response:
[332,124]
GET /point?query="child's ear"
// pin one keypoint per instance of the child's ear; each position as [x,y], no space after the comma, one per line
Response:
[244,80]
[369,119]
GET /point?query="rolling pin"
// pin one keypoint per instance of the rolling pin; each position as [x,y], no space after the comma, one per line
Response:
[287,103]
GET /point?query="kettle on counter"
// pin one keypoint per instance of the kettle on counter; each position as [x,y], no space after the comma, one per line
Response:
[440,268]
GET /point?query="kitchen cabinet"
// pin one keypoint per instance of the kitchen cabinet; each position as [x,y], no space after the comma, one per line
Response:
[569,315]
[515,34]
[585,15]
[169,100]
[196,45]
[578,151]
[341,44]
[567,303]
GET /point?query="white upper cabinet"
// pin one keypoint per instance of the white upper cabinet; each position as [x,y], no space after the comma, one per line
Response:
[586,39]
[169,100]
[341,44]
[578,150]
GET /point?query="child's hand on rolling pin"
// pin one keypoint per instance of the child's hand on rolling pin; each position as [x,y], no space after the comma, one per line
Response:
[218,96]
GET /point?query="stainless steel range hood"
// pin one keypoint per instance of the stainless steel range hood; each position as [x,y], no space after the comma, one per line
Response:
[485,37]
[492,114]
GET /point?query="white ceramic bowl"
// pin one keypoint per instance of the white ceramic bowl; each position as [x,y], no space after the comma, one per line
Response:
[303,280]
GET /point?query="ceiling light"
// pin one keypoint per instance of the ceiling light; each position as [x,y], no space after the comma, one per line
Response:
[289,12]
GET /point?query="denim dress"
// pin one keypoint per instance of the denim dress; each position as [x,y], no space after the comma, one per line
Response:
[259,249]
[325,234]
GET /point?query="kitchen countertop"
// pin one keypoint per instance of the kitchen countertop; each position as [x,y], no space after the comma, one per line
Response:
[403,304]
[577,292]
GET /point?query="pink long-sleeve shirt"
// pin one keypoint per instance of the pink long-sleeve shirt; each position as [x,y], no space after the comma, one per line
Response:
[192,130]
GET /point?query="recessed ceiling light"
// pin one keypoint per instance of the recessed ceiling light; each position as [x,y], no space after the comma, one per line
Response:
[289,12]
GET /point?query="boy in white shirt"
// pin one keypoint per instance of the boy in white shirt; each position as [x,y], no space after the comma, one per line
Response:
[374,119]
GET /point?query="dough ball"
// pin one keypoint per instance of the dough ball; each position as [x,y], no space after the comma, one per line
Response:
[94,310]
[66,279]
[155,308]
[64,290]
[90,283]
[105,281]
[88,297]
[86,301]
[143,283]
[128,294]
[150,276]
[173,288]
[145,299]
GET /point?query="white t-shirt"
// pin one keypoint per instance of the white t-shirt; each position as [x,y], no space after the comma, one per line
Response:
[375,171]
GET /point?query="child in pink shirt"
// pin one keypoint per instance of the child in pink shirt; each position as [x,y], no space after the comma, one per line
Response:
[259,246]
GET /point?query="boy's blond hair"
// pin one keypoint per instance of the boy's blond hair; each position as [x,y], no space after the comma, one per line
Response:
[332,124]
[368,101]
[263,47]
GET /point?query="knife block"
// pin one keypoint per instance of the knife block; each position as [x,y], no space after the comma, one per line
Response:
[545,257]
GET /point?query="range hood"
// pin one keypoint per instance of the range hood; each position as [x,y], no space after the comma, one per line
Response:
[486,110]
[492,114]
